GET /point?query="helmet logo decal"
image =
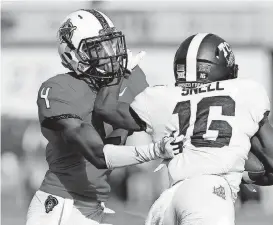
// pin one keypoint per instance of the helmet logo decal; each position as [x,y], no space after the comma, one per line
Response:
[180,69]
[66,30]
[228,53]
[203,70]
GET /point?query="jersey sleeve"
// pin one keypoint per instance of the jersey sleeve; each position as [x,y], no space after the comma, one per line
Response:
[149,105]
[56,101]
[140,107]
[132,86]
[259,103]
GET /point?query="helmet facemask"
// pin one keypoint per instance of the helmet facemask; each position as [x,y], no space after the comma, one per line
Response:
[103,57]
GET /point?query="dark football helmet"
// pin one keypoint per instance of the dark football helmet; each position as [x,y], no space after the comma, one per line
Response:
[204,58]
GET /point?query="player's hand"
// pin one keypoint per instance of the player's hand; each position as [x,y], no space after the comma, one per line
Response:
[178,144]
[133,61]
[169,147]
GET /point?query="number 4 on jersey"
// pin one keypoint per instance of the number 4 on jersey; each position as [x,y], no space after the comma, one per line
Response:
[201,122]
[44,95]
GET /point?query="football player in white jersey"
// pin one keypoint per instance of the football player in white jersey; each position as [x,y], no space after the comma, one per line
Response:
[217,113]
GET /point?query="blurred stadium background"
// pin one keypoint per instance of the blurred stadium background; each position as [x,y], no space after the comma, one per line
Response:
[29,56]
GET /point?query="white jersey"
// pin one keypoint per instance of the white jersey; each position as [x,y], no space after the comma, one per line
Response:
[217,119]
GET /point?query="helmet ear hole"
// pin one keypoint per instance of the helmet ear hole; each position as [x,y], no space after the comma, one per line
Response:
[235,71]
[217,53]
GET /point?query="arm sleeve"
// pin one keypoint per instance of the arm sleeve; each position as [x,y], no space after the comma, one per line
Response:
[150,106]
[56,102]
[131,87]
[140,107]
[120,156]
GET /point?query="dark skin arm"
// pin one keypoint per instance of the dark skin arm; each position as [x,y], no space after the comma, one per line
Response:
[262,147]
[118,114]
[86,139]
[116,137]
[265,180]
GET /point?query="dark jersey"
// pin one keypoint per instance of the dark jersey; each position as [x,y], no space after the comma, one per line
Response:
[130,88]
[69,174]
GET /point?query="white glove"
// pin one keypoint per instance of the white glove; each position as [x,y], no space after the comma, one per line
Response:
[133,61]
[171,146]
[164,148]
[178,144]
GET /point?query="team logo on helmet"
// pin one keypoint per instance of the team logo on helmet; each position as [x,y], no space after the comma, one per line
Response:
[50,203]
[228,53]
[66,30]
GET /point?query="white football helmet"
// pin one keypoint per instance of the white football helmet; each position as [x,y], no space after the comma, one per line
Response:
[90,45]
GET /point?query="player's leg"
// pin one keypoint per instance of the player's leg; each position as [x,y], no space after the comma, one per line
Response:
[162,211]
[82,217]
[45,209]
[48,209]
[203,200]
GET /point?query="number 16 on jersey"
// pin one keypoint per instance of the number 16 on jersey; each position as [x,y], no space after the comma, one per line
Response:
[221,129]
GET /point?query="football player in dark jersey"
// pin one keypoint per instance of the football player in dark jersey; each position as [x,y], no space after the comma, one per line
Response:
[79,153]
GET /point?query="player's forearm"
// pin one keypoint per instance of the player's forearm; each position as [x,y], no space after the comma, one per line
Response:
[266,180]
[85,139]
[263,148]
[97,160]
[106,104]
[268,159]
[117,137]
[267,147]
[107,97]
[121,156]
[118,114]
